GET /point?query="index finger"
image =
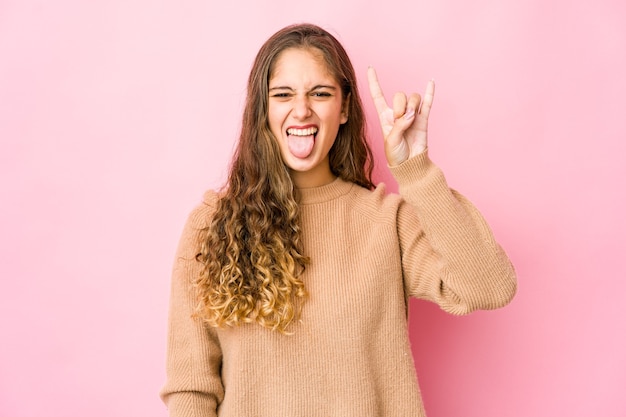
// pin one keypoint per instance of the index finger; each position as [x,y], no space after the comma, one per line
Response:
[376,92]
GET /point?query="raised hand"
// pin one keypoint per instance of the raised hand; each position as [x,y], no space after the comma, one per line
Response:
[405,126]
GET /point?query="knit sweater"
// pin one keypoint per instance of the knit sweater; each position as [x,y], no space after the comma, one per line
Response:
[349,354]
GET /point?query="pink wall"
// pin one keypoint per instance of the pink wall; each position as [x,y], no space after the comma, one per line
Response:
[115,116]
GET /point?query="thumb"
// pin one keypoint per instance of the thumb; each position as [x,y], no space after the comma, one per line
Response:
[399,125]
[403,113]
[397,150]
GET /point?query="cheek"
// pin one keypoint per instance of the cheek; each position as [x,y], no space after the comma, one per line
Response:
[274,120]
[278,111]
[335,115]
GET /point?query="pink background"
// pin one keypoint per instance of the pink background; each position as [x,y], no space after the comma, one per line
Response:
[116,115]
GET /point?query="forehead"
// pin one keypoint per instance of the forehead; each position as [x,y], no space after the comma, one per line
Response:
[299,65]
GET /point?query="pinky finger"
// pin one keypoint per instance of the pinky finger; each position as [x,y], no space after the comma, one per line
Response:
[427,101]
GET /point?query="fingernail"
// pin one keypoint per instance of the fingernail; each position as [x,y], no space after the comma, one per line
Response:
[409,113]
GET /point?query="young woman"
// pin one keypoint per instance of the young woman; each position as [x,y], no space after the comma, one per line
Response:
[290,286]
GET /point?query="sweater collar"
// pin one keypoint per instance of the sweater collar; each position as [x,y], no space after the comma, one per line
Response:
[327,192]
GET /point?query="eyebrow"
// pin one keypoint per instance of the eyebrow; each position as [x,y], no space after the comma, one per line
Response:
[317,87]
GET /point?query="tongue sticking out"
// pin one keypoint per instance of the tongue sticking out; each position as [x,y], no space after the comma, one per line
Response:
[301,146]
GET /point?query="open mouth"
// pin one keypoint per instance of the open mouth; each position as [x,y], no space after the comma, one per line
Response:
[301,141]
[302,132]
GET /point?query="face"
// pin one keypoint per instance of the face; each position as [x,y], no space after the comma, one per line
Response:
[305,111]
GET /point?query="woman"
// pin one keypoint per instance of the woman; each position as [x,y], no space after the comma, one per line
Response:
[289,291]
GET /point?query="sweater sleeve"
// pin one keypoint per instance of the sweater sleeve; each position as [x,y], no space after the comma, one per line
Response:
[449,254]
[193,387]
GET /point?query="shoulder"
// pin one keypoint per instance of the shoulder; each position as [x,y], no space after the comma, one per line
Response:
[377,203]
[201,215]
[379,197]
[197,225]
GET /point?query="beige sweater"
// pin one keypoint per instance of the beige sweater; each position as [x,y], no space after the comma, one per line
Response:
[350,353]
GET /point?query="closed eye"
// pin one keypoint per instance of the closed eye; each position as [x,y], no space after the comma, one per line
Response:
[281,95]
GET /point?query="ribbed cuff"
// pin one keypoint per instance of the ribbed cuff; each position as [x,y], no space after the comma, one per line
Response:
[419,176]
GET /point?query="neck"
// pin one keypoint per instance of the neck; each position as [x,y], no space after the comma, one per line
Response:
[316,177]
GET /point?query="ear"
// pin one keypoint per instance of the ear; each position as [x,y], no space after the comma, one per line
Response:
[345,106]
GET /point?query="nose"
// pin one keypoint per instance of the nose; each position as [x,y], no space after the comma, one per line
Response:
[301,107]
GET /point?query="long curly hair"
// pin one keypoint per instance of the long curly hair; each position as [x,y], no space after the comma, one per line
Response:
[253,254]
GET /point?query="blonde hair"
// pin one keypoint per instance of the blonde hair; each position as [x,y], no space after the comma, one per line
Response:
[252,255]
